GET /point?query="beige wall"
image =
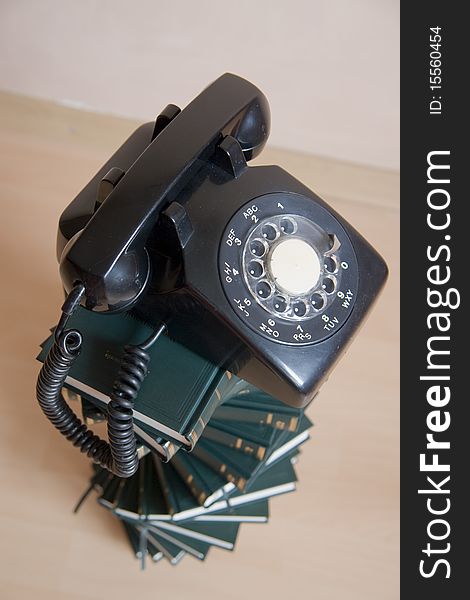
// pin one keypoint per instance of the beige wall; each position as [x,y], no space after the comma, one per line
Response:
[328,67]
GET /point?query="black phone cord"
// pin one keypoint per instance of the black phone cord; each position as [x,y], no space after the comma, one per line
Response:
[119,455]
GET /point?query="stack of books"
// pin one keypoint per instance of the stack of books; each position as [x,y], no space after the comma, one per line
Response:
[213,448]
[178,396]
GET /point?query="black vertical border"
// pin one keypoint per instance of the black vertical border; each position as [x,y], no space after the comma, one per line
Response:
[422,133]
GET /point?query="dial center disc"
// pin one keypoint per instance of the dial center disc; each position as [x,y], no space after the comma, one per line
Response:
[295,266]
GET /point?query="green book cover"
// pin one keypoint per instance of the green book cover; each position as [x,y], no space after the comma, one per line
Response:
[249,438]
[180,497]
[223,535]
[154,549]
[128,500]
[246,468]
[256,398]
[156,546]
[141,543]
[257,414]
[111,493]
[185,504]
[223,390]
[152,502]
[171,551]
[193,547]
[251,512]
[180,391]
[277,415]
[289,441]
[261,434]
[165,474]
[183,498]
[134,538]
[278,479]
[287,459]
[189,510]
[230,464]
[218,484]
[193,481]
[165,448]
[187,507]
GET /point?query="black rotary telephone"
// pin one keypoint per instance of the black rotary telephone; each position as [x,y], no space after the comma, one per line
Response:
[247,266]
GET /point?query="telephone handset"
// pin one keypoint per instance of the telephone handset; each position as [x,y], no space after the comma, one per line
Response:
[109,255]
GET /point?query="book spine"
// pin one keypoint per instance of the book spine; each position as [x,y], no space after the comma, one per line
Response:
[133,537]
[141,496]
[164,448]
[169,496]
[255,402]
[288,422]
[226,383]
[225,470]
[237,443]
[191,478]
[112,492]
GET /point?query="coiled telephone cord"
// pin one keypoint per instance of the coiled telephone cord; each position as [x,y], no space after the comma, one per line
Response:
[119,454]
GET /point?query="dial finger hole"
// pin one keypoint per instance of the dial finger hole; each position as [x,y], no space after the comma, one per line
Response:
[255,269]
[257,248]
[299,308]
[263,289]
[318,302]
[329,284]
[280,304]
[331,266]
[288,226]
[269,232]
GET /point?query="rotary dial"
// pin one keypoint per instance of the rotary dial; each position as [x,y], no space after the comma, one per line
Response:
[288,268]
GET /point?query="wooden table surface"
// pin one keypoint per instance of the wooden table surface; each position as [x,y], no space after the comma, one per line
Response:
[336,537]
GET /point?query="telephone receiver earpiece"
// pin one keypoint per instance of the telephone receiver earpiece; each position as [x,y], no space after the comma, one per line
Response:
[108,255]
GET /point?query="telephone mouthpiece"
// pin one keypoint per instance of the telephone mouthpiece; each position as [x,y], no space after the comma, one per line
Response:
[109,287]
